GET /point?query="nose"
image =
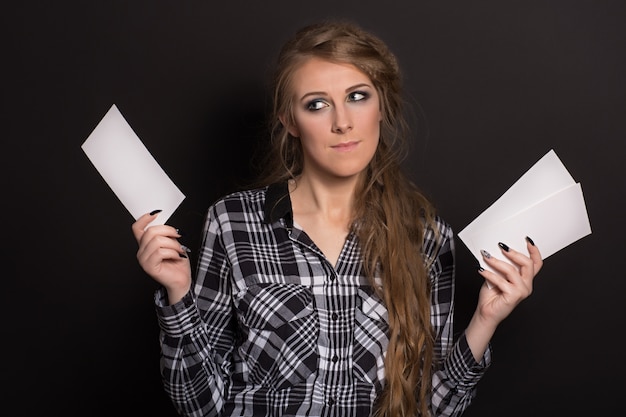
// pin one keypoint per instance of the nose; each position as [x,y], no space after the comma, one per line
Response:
[342,122]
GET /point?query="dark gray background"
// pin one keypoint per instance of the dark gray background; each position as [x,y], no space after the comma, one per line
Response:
[498,84]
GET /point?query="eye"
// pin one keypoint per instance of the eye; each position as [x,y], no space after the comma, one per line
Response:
[358,96]
[316,104]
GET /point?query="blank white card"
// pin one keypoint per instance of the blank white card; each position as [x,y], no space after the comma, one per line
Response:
[545,204]
[129,169]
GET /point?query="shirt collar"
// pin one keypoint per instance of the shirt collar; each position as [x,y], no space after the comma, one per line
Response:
[278,204]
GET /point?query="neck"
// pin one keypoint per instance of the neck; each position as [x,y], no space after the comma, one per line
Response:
[329,198]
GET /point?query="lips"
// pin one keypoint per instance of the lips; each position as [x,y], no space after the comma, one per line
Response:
[345,146]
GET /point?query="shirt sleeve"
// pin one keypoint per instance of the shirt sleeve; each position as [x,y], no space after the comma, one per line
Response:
[196,334]
[456,372]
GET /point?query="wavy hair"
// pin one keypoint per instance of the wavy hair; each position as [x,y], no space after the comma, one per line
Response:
[390,215]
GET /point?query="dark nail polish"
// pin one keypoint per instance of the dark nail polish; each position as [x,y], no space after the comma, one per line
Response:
[185,248]
[153,212]
[503,246]
[480,268]
[485,253]
[529,240]
[182,255]
[180,232]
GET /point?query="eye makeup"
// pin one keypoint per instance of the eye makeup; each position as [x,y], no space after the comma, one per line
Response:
[316,104]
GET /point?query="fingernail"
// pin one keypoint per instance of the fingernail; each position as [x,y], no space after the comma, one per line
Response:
[180,232]
[153,212]
[185,248]
[503,246]
[529,240]
[480,268]
[485,253]
[182,255]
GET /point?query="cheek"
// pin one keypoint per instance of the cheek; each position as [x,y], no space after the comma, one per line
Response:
[374,123]
[309,126]
[372,118]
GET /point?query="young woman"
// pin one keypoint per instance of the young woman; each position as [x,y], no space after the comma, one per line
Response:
[328,290]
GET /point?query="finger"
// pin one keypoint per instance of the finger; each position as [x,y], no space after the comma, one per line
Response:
[534,253]
[490,277]
[160,237]
[499,274]
[142,222]
[529,265]
[159,254]
[158,250]
[510,277]
[525,267]
[506,269]
[154,262]
[517,258]
[160,230]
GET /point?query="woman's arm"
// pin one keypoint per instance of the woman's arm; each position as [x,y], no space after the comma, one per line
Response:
[197,334]
[456,372]
[465,362]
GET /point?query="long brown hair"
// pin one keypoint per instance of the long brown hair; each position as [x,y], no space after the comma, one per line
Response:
[390,213]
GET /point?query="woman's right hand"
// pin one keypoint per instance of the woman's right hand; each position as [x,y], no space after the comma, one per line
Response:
[163,257]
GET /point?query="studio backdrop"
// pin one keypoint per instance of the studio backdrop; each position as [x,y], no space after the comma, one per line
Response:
[494,85]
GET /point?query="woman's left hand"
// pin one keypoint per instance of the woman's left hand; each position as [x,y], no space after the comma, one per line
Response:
[511,282]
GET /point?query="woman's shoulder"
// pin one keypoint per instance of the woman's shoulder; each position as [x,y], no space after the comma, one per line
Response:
[240,200]
[437,234]
[443,227]
[250,194]
[261,205]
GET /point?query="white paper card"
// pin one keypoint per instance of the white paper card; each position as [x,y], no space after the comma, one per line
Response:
[545,204]
[129,169]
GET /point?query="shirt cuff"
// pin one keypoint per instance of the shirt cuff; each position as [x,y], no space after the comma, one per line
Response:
[462,366]
[177,319]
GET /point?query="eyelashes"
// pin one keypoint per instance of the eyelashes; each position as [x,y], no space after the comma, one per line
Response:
[319,103]
[358,96]
[315,105]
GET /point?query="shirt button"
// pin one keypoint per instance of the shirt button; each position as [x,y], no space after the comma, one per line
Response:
[334,316]
[335,358]
[331,401]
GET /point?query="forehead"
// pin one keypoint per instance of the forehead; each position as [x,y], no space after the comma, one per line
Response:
[317,74]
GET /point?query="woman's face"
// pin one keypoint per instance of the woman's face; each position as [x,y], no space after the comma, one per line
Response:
[337,118]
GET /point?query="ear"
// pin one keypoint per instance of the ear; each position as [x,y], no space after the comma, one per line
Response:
[291,128]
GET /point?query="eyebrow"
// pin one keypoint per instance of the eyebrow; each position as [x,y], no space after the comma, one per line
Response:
[323,93]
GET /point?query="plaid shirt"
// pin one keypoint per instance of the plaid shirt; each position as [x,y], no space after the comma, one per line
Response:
[271,328]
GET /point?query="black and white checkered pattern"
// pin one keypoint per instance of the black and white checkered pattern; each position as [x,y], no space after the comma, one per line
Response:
[271,328]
